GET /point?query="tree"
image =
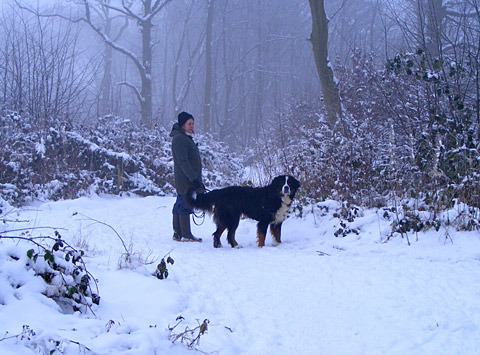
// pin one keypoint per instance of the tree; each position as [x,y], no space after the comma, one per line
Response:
[144,20]
[180,90]
[41,75]
[319,39]
[105,101]
[207,104]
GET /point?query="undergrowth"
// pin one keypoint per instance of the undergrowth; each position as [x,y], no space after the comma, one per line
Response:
[62,268]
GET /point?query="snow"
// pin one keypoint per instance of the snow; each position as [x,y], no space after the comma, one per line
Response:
[314,293]
[40,147]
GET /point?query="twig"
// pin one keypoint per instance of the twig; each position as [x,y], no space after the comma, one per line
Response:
[15,221]
[187,336]
[203,328]
[81,345]
[28,329]
[109,226]
[31,239]
[179,319]
[31,228]
[167,254]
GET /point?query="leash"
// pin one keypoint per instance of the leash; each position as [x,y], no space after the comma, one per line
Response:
[198,214]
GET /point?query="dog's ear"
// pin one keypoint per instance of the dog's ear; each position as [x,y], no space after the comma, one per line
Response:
[277,182]
[294,183]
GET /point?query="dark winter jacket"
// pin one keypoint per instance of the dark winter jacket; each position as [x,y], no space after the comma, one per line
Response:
[186,158]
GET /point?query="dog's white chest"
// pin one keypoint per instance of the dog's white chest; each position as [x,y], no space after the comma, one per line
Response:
[282,213]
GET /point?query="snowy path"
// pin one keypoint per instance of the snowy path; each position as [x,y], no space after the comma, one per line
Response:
[364,297]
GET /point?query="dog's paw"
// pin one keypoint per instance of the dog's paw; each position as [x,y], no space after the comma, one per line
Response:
[238,246]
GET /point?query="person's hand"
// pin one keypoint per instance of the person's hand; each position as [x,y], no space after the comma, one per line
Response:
[198,186]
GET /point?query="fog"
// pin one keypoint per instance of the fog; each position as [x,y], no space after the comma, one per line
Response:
[260,55]
[233,64]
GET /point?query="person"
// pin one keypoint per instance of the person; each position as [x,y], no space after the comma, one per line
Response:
[187,169]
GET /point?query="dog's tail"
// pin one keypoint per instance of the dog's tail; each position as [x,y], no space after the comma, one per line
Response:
[204,202]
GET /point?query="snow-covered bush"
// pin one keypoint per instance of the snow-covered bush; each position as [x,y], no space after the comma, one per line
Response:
[114,156]
[436,121]
[407,132]
[58,269]
[220,167]
[41,342]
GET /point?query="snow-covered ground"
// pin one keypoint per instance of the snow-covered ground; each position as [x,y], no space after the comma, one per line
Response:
[313,294]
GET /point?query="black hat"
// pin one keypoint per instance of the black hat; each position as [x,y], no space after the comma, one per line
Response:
[183,117]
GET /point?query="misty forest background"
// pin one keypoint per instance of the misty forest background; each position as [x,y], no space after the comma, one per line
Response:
[89,90]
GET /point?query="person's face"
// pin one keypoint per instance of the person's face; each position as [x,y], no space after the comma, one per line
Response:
[188,126]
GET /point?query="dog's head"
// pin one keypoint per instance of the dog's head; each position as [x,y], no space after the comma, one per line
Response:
[286,185]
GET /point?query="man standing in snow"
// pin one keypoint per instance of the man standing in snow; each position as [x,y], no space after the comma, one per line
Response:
[187,167]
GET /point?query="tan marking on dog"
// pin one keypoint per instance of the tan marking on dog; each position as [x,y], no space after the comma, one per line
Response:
[275,234]
[260,240]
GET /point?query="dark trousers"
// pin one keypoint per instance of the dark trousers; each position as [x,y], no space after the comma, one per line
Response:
[180,207]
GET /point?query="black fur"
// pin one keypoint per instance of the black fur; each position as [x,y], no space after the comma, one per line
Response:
[268,205]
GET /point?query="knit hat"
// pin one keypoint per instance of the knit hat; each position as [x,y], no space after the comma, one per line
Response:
[183,117]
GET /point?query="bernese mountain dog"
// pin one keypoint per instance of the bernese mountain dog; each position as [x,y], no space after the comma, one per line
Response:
[268,205]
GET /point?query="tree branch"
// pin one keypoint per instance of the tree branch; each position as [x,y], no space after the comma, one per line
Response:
[134,88]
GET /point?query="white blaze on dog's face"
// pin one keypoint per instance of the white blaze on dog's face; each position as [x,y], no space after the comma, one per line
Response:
[285,191]
[286,188]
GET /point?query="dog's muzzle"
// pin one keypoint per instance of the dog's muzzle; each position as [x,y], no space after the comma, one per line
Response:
[286,189]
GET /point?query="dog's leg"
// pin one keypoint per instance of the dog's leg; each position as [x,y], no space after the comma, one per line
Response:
[231,238]
[276,231]
[216,236]
[261,232]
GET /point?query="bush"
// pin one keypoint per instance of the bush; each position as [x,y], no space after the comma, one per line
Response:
[114,156]
[61,268]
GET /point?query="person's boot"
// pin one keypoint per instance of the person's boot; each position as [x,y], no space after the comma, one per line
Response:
[177,233]
[187,235]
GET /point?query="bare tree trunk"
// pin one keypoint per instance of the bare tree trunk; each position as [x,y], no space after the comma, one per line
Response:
[180,95]
[144,64]
[207,103]
[146,75]
[243,92]
[259,89]
[106,100]
[259,81]
[319,39]
[435,14]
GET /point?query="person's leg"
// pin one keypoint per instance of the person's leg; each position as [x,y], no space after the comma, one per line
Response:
[177,209]
[187,235]
[184,216]
[177,233]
